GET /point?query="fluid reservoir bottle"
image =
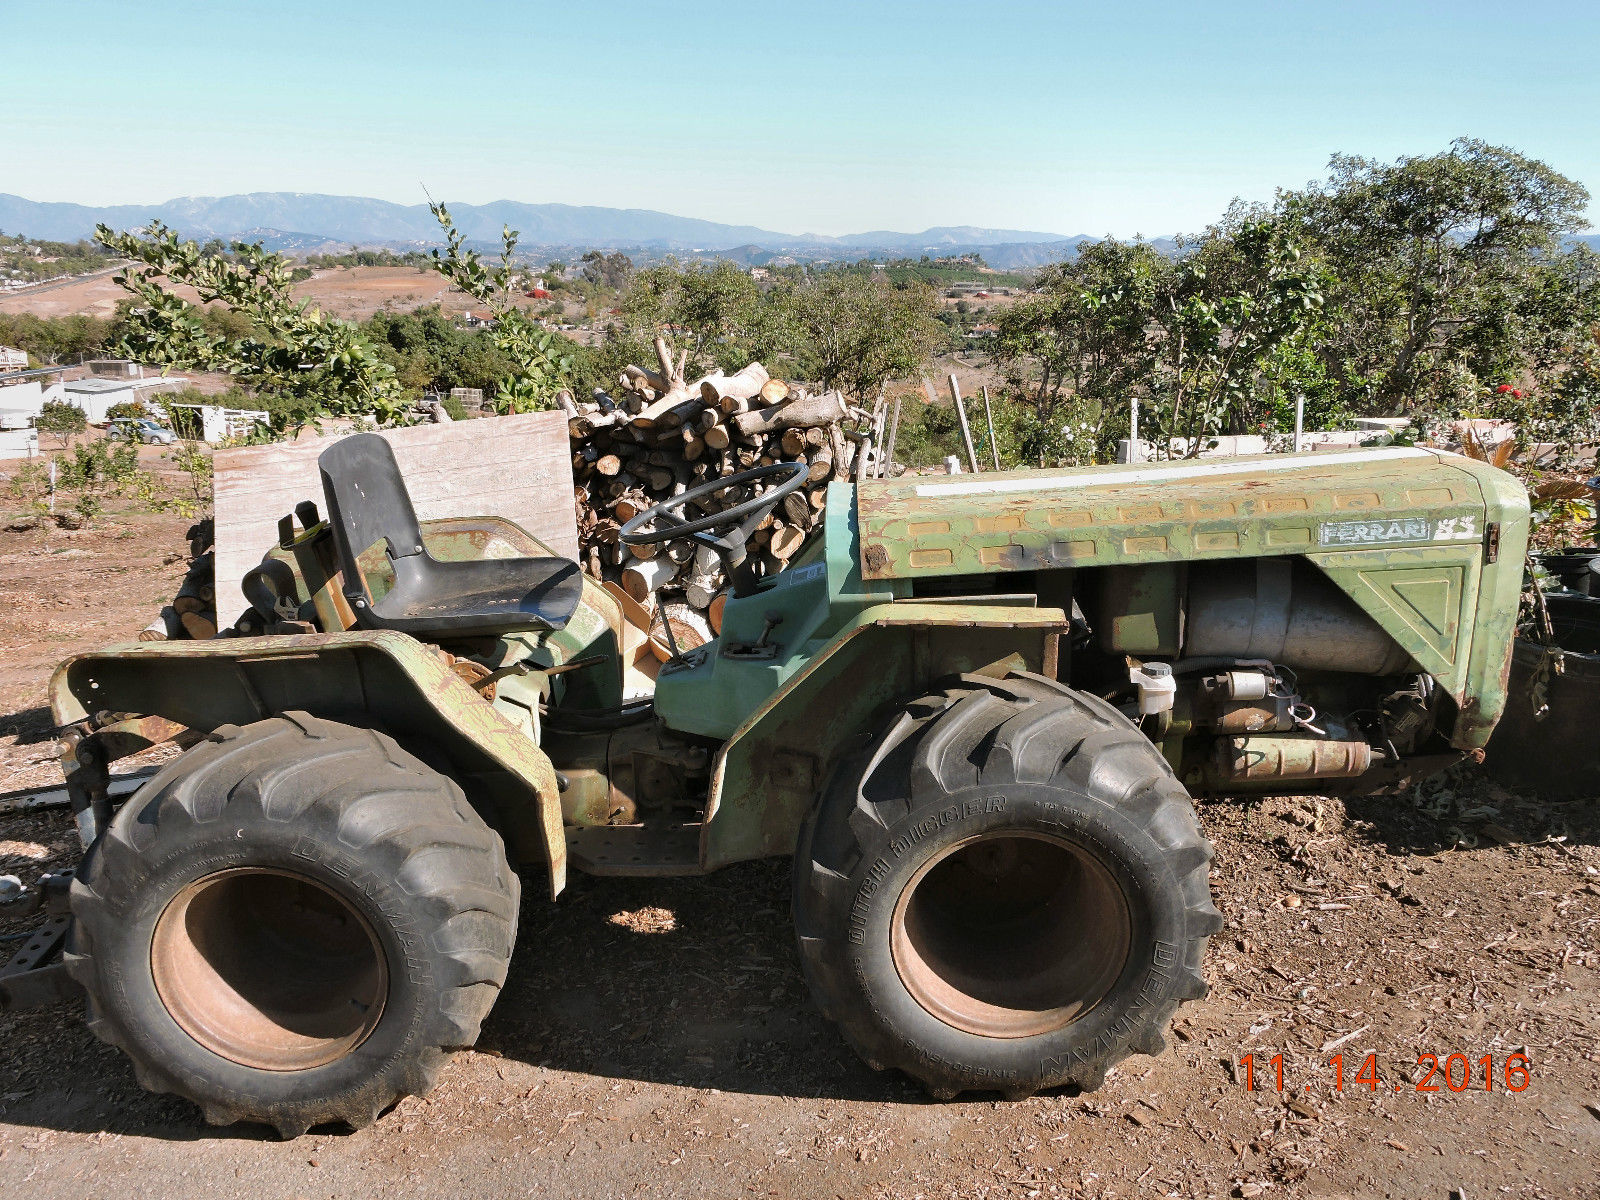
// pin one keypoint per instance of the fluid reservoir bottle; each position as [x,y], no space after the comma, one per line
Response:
[1156,687]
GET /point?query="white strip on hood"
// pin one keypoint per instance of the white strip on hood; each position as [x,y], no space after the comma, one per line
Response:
[1193,470]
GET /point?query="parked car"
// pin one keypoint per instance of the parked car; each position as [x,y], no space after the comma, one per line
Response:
[141,429]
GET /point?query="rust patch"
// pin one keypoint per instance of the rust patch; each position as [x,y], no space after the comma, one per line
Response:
[876,559]
[1140,512]
[1216,541]
[1068,519]
[931,558]
[925,528]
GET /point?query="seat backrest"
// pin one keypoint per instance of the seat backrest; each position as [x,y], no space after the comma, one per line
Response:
[368,503]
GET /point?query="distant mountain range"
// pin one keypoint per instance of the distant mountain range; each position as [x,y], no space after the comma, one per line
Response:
[303,222]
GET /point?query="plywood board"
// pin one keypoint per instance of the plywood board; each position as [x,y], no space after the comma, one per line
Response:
[516,467]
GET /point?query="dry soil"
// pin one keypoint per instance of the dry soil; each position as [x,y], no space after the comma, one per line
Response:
[655,1038]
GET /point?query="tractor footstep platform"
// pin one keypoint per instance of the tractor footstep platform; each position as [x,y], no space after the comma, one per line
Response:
[636,849]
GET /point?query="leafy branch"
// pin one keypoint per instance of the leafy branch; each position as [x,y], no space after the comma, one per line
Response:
[544,359]
[289,348]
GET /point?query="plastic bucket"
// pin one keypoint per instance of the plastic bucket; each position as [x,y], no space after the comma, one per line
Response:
[1574,566]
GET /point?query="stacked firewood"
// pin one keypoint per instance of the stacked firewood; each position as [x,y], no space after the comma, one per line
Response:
[193,611]
[660,435]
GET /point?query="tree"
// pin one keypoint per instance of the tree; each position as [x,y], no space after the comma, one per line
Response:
[427,351]
[607,270]
[1232,304]
[1085,333]
[716,312]
[278,345]
[1429,261]
[127,410]
[1198,339]
[61,420]
[544,363]
[855,333]
[55,339]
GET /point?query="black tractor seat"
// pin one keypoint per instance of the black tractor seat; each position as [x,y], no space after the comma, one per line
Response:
[368,503]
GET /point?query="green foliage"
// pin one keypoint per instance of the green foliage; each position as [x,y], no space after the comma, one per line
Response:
[927,433]
[428,352]
[61,420]
[29,486]
[607,270]
[714,311]
[97,464]
[128,410]
[193,461]
[368,258]
[853,332]
[1205,341]
[1445,273]
[279,345]
[1390,288]
[35,260]
[97,469]
[937,272]
[54,340]
[454,409]
[1232,306]
[544,362]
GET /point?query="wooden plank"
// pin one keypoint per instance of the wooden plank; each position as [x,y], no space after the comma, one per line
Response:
[516,467]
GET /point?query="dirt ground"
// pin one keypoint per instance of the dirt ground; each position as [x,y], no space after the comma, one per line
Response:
[355,293]
[655,1039]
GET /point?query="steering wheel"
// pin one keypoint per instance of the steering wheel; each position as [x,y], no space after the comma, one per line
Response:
[740,521]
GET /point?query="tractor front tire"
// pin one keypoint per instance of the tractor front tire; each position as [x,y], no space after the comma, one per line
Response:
[295,922]
[1007,892]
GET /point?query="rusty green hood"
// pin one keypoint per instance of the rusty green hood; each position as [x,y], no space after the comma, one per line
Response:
[1166,512]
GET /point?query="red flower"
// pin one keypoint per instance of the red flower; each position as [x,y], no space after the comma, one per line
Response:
[1503,388]
[1517,392]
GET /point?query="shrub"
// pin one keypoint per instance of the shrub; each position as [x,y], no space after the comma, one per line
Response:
[128,410]
[61,420]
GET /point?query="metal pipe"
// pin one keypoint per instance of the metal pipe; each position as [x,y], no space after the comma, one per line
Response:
[1248,759]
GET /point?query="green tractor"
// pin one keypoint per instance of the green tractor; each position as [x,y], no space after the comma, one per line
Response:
[973,711]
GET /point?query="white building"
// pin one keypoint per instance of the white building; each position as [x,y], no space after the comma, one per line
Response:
[19,443]
[12,360]
[98,396]
[21,402]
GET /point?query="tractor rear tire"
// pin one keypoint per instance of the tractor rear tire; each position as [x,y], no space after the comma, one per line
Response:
[296,923]
[1008,891]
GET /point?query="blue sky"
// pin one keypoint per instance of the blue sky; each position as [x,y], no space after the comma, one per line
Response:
[823,117]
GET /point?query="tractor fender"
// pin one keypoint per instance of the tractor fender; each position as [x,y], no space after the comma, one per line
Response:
[369,678]
[769,773]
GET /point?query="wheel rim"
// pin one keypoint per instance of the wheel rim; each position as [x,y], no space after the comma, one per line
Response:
[269,969]
[1010,934]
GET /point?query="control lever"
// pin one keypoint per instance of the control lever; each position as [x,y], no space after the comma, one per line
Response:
[761,649]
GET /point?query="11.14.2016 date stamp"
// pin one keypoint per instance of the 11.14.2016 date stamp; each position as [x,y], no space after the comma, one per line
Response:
[1453,1073]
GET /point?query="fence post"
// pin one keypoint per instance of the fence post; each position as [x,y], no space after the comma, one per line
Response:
[966,431]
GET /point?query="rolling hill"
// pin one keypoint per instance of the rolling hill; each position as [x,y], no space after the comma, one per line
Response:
[307,221]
